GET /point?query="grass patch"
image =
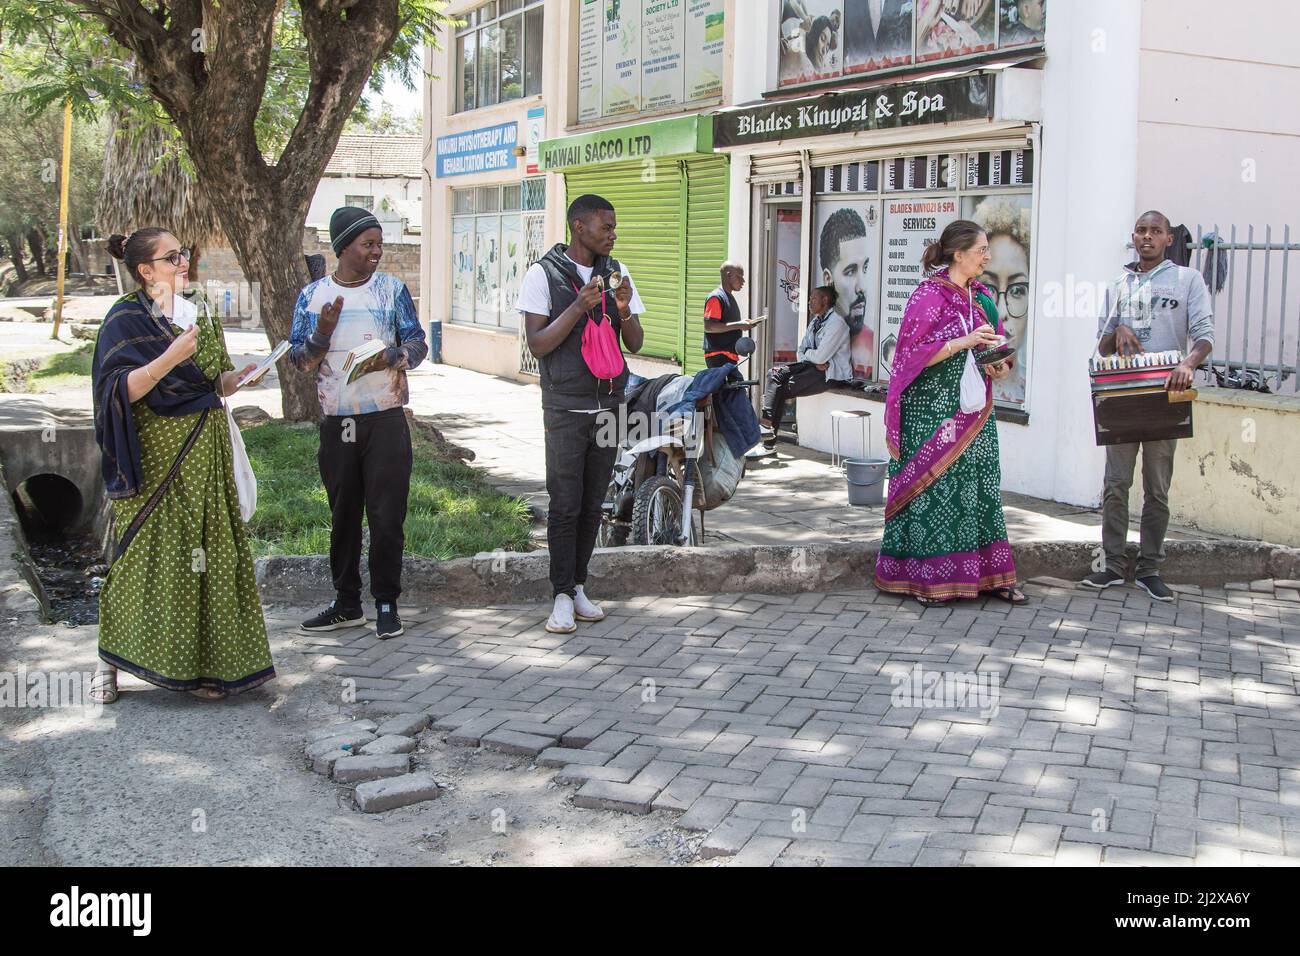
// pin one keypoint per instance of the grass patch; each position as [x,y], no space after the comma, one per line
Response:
[66,370]
[452,512]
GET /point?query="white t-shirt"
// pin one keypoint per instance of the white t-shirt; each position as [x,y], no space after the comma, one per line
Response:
[535,290]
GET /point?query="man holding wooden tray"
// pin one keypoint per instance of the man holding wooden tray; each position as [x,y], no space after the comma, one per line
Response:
[1154,306]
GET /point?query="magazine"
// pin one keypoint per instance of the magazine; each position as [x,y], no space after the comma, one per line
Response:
[253,377]
[362,360]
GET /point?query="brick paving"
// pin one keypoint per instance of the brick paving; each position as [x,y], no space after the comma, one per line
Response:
[814,729]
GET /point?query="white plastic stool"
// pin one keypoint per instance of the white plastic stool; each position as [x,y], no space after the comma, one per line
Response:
[837,417]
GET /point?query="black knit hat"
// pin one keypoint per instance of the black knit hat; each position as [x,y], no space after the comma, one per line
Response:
[347,223]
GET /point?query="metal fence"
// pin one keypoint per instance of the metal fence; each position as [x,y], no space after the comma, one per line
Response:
[1256,308]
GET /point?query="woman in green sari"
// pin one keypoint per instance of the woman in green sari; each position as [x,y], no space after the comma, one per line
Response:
[945,534]
[180,608]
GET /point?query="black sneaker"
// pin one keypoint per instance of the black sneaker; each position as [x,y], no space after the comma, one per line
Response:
[387,622]
[1158,590]
[335,617]
[1102,579]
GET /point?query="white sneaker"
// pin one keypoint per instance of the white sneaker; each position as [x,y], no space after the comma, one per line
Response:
[561,619]
[583,609]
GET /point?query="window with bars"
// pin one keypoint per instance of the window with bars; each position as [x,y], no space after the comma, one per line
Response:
[493,238]
[499,53]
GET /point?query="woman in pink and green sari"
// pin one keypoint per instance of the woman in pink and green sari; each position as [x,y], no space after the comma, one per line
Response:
[945,535]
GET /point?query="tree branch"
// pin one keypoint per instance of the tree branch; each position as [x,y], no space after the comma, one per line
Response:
[345,41]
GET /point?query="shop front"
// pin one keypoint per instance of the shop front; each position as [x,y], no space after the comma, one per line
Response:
[848,188]
[670,192]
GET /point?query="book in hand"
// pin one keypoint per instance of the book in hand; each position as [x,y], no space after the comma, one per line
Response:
[255,376]
[365,358]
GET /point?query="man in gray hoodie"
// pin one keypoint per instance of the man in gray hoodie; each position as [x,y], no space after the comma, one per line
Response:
[1154,306]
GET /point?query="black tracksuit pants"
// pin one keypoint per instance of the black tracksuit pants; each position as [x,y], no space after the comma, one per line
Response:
[365,463]
[785,382]
[578,470]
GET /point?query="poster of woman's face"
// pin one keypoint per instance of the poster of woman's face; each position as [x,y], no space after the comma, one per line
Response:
[877,34]
[1007,219]
[1023,21]
[811,48]
[948,28]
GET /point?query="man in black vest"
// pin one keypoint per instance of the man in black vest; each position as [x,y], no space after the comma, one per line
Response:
[565,295]
[723,323]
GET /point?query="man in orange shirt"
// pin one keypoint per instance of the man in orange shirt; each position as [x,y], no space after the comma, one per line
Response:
[723,322]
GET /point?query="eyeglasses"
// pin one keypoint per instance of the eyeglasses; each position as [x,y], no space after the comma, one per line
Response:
[1014,299]
[174,257]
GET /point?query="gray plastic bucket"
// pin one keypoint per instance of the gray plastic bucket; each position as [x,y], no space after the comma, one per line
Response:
[866,478]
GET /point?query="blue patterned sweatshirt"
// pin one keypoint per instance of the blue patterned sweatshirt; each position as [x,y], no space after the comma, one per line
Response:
[383,309]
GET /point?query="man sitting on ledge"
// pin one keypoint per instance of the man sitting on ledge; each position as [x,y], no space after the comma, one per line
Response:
[823,362]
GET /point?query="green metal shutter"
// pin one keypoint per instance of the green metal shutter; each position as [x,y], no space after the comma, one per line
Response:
[651,241]
[706,246]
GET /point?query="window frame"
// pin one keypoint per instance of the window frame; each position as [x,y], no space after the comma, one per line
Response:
[497,208]
[475,26]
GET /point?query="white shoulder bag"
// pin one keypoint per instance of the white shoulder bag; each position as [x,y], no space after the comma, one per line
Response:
[974,393]
[245,480]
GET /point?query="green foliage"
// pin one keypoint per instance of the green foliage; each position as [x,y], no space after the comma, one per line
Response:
[65,369]
[452,511]
[60,52]
[30,166]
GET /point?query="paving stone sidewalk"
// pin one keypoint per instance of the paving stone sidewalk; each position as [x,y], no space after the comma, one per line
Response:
[823,728]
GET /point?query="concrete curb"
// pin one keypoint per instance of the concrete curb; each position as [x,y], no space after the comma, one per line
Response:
[22,599]
[508,577]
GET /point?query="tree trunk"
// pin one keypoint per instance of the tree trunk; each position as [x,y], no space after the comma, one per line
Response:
[36,242]
[16,254]
[268,243]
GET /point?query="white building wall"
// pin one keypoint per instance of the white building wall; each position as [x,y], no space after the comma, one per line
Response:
[331,193]
[1084,211]
[1218,125]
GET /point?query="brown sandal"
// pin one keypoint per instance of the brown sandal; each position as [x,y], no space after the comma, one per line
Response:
[208,693]
[1010,595]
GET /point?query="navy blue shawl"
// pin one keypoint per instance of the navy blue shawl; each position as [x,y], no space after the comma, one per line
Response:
[132,336]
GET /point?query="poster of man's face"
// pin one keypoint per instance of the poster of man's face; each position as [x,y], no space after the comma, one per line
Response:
[810,45]
[1023,21]
[848,241]
[948,28]
[877,34]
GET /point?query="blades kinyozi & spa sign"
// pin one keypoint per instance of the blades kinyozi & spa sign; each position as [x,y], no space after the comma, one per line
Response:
[889,107]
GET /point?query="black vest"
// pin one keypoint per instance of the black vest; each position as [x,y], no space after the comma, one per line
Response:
[724,341]
[566,380]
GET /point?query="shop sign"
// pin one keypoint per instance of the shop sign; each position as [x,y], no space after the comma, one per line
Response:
[890,107]
[477,150]
[635,143]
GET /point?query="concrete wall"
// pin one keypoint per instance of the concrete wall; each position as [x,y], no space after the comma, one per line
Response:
[1240,473]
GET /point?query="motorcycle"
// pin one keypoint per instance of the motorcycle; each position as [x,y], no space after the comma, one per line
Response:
[664,481]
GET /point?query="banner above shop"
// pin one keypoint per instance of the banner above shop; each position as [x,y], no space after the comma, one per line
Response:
[635,143]
[478,150]
[887,107]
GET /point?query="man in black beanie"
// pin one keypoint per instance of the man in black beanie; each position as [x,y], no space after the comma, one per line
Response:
[365,445]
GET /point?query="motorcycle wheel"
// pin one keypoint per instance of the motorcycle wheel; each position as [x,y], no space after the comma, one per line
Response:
[657,512]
